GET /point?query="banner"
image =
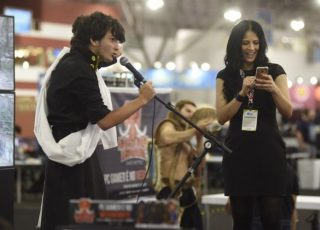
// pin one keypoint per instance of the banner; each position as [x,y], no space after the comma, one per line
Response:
[303,96]
[124,168]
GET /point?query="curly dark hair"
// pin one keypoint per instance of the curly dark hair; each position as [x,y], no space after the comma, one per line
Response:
[95,26]
[234,59]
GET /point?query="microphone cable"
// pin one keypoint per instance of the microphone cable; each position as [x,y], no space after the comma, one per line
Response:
[151,150]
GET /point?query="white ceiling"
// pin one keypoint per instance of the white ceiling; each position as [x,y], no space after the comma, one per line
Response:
[206,15]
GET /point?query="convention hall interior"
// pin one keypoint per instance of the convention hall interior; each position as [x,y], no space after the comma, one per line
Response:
[180,46]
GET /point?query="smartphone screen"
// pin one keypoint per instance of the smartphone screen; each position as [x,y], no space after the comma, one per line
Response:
[262,70]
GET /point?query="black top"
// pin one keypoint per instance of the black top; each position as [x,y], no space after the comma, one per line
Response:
[257,164]
[73,95]
[74,100]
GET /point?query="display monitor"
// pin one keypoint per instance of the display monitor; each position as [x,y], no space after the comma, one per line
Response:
[6,129]
[7,53]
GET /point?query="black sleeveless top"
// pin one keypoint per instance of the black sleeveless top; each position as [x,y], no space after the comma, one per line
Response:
[257,164]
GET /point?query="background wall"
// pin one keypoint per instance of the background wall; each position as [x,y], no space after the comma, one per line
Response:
[52,30]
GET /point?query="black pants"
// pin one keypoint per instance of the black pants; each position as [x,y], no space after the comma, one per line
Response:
[63,183]
[271,211]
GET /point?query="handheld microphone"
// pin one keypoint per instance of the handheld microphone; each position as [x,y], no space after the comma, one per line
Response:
[125,62]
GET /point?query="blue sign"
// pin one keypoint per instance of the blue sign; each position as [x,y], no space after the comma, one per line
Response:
[196,79]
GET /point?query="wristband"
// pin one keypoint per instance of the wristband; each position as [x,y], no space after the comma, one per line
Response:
[240,98]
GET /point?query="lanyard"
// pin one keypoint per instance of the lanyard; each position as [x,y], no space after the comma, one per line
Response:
[250,92]
[250,96]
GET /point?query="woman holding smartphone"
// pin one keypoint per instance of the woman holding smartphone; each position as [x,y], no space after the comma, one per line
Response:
[256,169]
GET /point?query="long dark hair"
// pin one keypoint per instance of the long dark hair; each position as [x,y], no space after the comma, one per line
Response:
[234,59]
[95,26]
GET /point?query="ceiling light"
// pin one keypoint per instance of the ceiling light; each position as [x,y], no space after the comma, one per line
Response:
[205,66]
[25,65]
[232,15]
[300,80]
[137,65]
[313,80]
[194,65]
[171,66]
[157,65]
[297,24]
[154,4]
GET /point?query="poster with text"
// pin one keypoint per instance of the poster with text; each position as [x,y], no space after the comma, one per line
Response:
[125,167]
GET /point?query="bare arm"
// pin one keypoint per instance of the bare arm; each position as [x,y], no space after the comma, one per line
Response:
[169,135]
[281,96]
[279,91]
[225,111]
[146,93]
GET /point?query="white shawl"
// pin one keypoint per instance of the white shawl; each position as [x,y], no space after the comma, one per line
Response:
[78,146]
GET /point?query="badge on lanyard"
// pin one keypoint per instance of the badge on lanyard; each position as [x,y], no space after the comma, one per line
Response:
[249,120]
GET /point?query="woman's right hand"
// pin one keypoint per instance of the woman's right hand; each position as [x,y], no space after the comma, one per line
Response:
[247,83]
[146,92]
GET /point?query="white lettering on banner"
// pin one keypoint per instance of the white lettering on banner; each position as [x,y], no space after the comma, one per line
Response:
[123,177]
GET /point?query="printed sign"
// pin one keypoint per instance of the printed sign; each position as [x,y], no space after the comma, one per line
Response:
[125,167]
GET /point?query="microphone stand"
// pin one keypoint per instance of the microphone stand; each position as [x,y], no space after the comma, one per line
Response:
[208,144]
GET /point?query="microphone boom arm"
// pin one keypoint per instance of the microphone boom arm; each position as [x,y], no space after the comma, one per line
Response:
[208,145]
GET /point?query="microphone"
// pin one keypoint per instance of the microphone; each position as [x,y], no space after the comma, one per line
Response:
[138,77]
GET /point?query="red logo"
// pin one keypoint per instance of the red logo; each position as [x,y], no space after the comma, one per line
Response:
[84,214]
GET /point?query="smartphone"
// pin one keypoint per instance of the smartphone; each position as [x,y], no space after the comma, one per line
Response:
[262,70]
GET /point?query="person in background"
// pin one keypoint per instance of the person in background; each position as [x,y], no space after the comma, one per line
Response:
[79,115]
[255,171]
[305,135]
[172,138]
[19,153]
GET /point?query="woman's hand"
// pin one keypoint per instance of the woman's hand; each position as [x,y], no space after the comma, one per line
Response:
[265,82]
[247,83]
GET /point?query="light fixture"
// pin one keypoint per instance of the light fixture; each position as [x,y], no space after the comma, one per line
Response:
[171,66]
[297,24]
[154,4]
[300,80]
[137,65]
[157,65]
[290,84]
[313,80]
[205,66]
[194,65]
[232,15]
[25,65]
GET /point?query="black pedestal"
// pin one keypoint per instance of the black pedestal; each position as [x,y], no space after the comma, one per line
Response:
[6,194]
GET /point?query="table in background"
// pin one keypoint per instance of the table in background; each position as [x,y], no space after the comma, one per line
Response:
[303,202]
[20,165]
